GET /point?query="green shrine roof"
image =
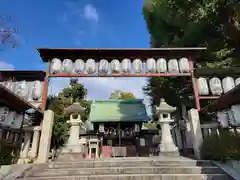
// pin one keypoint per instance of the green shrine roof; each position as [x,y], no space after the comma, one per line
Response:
[118,111]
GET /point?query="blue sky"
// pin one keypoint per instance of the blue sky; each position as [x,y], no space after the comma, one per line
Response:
[73,24]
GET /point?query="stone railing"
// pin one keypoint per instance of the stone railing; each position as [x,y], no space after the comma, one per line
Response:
[210,128]
[30,144]
[9,139]
[18,143]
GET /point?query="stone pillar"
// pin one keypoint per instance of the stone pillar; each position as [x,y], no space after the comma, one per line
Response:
[189,137]
[1,136]
[35,141]
[205,132]
[46,134]
[25,146]
[16,138]
[97,150]
[196,131]
[167,145]
[178,137]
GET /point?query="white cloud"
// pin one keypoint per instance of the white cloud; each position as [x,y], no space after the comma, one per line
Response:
[75,15]
[101,88]
[6,66]
[90,13]
[79,10]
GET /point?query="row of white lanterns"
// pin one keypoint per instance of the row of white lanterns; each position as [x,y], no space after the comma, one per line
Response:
[151,65]
[229,117]
[10,119]
[215,86]
[31,91]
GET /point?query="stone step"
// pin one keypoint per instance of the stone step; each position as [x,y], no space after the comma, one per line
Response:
[127,163]
[126,170]
[136,177]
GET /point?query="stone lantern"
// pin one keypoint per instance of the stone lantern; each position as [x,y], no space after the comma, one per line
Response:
[76,111]
[167,145]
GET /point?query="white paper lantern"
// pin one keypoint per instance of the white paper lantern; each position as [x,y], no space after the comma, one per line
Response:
[103,66]
[56,66]
[215,86]
[22,89]
[91,66]
[231,117]
[151,65]
[161,65]
[236,113]
[202,86]
[184,65]
[3,118]
[4,111]
[17,121]
[137,66]
[173,66]
[10,118]
[79,66]
[223,119]
[67,66]
[36,93]
[237,81]
[228,84]
[115,66]
[126,66]
[10,85]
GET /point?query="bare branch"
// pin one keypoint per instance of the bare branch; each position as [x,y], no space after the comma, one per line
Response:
[7,38]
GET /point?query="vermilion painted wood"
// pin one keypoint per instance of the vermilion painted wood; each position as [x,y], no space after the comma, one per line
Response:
[208,97]
[194,84]
[123,75]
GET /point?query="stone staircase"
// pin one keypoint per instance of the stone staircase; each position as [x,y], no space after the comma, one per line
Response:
[151,168]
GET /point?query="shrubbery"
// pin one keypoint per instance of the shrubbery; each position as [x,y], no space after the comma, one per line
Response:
[222,147]
[6,155]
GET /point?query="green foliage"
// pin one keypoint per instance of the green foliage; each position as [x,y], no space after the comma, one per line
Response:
[6,155]
[74,93]
[117,94]
[221,148]
[216,24]
[175,91]
[177,23]
[150,125]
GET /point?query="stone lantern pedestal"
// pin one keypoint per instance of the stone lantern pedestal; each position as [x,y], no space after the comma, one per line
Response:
[167,145]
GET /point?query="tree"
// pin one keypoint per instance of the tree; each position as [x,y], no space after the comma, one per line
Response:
[150,125]
[7,34]
[216,24]
[74,93]
[174,23]
[117,94]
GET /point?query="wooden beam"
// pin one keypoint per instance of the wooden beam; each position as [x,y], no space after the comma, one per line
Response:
[47,54]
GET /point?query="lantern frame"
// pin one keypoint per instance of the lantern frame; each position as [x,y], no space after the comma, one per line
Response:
[47,54]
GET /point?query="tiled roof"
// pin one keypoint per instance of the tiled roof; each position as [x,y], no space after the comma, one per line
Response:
[118,111]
